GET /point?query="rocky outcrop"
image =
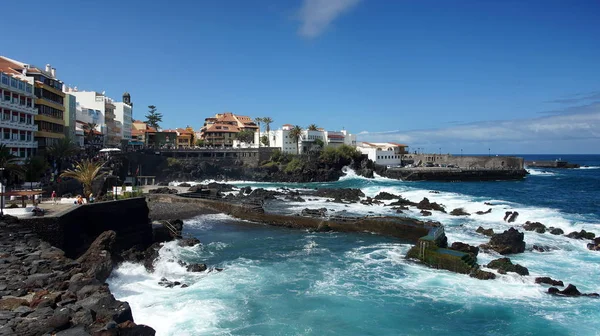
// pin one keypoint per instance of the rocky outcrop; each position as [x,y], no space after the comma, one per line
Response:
[263,194]
[425,204]
[196,268]
[386,196]
[541,248]
[504,265]
[459,212]
[99,259]
[163,190]
[44,292]
[485,232]
[581,235]
[425,213]
[322,212]
[556,231]
[548,281]
[459,246]
[594,245]
[344,194]
[402,202]
[510,216]
[571,290]
[510,241]
[484,212]
[534,226]
[482,275]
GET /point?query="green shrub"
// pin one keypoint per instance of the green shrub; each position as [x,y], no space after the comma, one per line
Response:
[173,163]
[294,166]
[280,157]
[342,155]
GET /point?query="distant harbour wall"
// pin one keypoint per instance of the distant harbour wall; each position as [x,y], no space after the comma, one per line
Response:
[467,162]
[551,164]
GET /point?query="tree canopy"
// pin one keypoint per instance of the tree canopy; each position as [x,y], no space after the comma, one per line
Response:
[245,136]
[296,133]
[153,117]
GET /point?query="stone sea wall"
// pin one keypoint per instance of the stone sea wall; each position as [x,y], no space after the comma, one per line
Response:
[74,231]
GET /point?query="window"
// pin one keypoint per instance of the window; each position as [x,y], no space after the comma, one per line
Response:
[6,134]
[22,136]
[13,83]
[28,136]
[29,88]
[21,86]
[29,120]
[22,118]
[4,79]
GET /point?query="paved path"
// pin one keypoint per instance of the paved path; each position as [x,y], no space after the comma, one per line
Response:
[58,209]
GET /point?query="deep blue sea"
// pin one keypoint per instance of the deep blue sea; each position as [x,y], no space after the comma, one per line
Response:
[280,281]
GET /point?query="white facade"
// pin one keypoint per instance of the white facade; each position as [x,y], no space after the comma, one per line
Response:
[17,115]
[92,104]
[123,114]
[384,154]
[281,138]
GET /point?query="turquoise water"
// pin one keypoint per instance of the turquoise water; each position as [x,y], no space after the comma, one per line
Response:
[288,282]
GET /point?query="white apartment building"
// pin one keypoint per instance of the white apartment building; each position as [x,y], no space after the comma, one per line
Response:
[383,153]
[94,101]
[17,111]
[281,138]
[86,116]
[123,115]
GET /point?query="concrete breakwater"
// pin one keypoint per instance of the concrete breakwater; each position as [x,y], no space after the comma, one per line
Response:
[404,228]
[454,174]
[551,164]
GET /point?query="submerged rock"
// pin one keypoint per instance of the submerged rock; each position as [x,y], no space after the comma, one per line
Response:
[425,213]
[571,290]
[342,194]
[425,204]
[534,226]
[548,281]
[556,231]
[386,196]
[484,212]
[482,275]
[459,212]
[196,268]
[504,265]
[581,235]
[485,232]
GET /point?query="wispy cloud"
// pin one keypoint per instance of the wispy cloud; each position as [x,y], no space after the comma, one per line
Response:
[317,15]
[579,123]
[577,98]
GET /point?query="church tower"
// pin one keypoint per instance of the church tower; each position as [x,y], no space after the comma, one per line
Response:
[127,99]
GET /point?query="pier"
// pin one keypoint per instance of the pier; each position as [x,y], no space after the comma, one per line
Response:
[550,164]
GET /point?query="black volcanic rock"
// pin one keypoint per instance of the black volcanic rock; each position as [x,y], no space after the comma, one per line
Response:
[485,232]
[344,194]
[459,246]
[507,242]
[548,281]
[504,265]
[581,235]
[534,226]
[459,212]
[386,196]
[425,204]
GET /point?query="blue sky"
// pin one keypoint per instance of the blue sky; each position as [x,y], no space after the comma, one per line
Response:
[514,76]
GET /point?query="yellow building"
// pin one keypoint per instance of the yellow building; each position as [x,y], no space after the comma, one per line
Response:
[185,137]
[49,101]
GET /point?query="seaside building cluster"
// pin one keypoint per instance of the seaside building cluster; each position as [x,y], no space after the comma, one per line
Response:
[37,109]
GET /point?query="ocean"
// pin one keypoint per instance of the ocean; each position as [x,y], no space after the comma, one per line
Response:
[278,281]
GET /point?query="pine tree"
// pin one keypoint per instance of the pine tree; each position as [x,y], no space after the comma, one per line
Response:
[153,118]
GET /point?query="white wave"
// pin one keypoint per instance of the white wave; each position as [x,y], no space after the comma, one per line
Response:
[536,172]
[589,167]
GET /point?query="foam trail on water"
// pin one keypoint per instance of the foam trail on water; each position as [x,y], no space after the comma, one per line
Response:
[536,172]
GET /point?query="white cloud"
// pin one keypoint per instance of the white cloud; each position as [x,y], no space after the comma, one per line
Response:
[317,15]
[581,127]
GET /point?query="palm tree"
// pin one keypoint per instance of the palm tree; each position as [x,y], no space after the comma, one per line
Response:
[34,168]
[85,172]
[9,165]
[313,127]
[258,120]
[62,150]
[268,121]
[295,134]
[90,128]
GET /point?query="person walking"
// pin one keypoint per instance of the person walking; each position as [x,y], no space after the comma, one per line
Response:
[53,197]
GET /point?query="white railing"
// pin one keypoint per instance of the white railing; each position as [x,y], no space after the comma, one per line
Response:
[17,107]
[18,143]
[18,125]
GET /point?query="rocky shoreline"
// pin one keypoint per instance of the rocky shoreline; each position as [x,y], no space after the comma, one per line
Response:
[43,292]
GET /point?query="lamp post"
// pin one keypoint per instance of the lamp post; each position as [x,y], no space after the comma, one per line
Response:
[489,152]
[461,152]
[2,190]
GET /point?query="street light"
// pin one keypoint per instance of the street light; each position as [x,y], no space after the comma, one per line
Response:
[2,190]
[489,152]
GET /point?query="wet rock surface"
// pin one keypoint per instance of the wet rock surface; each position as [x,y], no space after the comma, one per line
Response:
[459,212]
[425,204]
[571,290]
[534,226]
[344,194]
[485,232]
[482,275]
[549,281]
[581,235]
[504,265]
[460,246]
[507,242]
[43,292]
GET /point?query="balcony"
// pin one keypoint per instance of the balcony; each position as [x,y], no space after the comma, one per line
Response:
[7,104]
[18,143]
[7,123]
